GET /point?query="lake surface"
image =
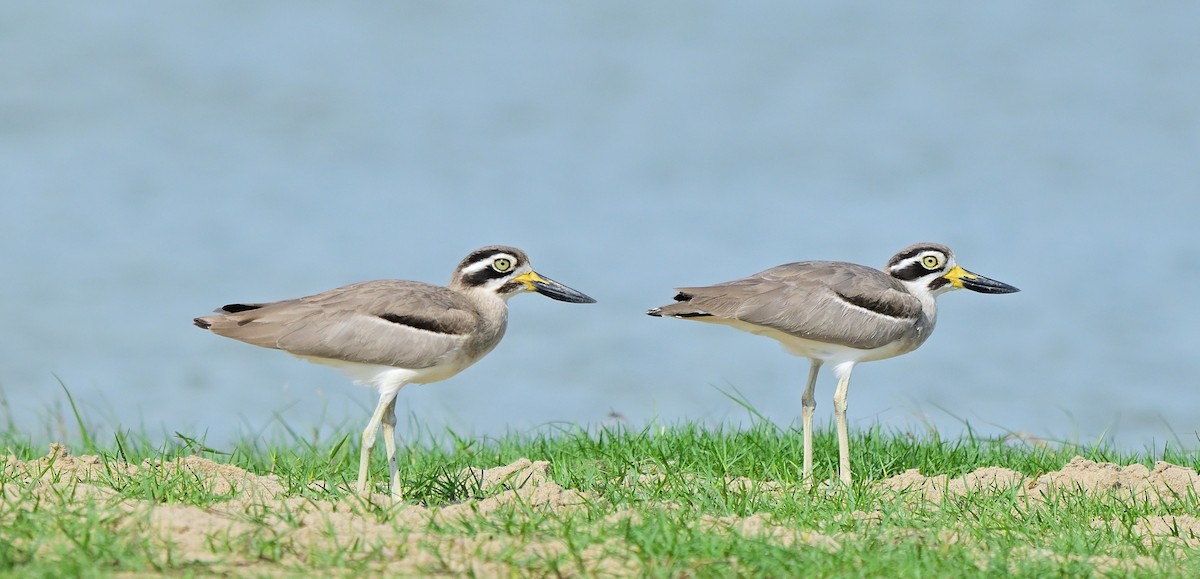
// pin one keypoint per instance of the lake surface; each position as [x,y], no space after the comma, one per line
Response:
[157,162]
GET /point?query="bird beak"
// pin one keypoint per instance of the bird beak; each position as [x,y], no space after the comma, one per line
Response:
[552,289]
[962,278]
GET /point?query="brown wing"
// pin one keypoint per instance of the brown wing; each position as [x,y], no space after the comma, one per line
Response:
[833,302]
[405,324]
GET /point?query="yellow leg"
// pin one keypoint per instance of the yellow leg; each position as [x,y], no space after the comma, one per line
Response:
[808,405]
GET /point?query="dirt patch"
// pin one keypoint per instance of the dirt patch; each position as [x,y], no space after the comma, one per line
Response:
[524,482]
[655,476]
[761,525]
[59,467]
[1163,483]
[1179,531]
[1102,564]
[936,488]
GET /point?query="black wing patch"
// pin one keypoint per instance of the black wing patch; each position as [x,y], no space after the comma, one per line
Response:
[420,323]
[889,308]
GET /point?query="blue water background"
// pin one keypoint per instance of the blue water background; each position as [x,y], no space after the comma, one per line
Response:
[159,160]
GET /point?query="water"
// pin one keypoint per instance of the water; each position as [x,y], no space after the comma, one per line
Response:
[157,162]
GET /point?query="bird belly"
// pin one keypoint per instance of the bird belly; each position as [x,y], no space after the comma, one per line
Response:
[823,351]
[383,377]
[835,353]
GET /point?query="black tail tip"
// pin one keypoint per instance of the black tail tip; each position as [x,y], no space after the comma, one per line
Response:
[202,323]
[656,312]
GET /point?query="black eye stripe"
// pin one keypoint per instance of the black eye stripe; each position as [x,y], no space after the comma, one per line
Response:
[910,272]
[483,275]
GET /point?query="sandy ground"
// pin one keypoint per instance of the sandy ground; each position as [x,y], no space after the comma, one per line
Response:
[415,540]
[1163,483]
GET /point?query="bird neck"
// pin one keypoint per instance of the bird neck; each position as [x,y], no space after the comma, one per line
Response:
[919,289]
[492,312]
[492,307]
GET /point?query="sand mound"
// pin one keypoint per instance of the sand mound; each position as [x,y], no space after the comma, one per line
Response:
[60,467]
[1164,483]
[525,483]
[936,488]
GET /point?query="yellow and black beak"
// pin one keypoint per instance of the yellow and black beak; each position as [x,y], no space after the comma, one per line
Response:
[552,289]
[962,278]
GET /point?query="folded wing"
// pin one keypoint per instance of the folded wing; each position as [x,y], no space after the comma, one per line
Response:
[404,324]
[833,302]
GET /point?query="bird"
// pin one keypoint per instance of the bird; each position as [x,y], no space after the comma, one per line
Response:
[387,334]
[838,314]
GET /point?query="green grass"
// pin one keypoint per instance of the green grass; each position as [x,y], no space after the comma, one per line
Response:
[656,501]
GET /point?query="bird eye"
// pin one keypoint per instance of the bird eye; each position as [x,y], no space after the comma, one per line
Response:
[502,264]
[931,262]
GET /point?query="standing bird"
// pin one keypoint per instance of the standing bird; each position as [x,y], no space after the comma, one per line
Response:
[836,313]
[391,333]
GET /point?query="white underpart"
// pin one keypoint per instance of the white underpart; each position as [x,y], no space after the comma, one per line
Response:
[385,379]
[811,349]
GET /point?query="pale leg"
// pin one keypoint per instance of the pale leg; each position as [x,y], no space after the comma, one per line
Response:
[386,402]
[808,405]
[839,415]
[389,442]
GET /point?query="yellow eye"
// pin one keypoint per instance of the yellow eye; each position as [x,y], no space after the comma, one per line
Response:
[931,262]
[502,264]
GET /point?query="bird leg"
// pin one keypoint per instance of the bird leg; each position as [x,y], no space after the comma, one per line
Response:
[808,405]
[386,404]
[389,442]
[839,415]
